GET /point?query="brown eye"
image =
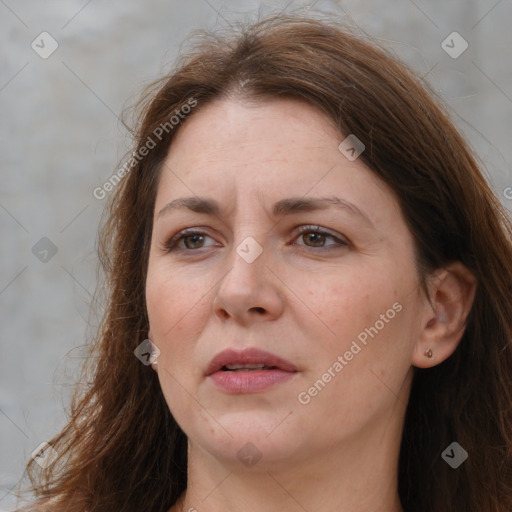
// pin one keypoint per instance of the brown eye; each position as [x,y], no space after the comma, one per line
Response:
[193,241]
[315,237]
[187,241]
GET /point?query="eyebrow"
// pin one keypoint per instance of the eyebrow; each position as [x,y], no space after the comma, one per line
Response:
[282,207]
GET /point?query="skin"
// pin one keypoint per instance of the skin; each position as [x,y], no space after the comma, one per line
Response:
[306,298]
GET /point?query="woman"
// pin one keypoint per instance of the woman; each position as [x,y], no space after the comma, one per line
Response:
[305,251]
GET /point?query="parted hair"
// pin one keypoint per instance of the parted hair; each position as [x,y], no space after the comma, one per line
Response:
[123,451]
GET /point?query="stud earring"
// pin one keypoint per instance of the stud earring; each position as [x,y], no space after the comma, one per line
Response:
[429,353]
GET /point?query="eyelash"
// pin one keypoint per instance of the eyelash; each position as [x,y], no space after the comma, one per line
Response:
[172,244]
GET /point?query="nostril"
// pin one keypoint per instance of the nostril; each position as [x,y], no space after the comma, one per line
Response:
[259,310]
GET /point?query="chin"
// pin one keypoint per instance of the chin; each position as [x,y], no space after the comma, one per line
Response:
[253,441]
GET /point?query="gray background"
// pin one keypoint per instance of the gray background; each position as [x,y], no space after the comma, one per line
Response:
[61,138]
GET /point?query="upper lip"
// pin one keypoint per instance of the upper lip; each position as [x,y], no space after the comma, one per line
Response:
[248,356]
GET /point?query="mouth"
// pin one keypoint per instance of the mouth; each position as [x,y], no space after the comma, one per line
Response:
[249,371]
[246,367]
[248,360]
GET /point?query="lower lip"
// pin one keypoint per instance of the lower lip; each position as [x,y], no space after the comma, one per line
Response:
[249,382]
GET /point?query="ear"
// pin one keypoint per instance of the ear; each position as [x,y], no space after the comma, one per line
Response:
[452,291]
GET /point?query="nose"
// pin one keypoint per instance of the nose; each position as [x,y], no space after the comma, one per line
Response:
[248,292]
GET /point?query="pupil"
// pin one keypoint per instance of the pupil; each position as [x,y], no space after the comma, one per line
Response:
[194,238]
[317,236]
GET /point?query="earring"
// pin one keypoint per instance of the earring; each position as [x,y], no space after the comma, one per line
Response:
[429,353]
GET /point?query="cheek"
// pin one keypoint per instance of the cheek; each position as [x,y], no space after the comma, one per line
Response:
[363,367]
[350,304]
[178,309]
[369,315]
[172,303]
[176,317]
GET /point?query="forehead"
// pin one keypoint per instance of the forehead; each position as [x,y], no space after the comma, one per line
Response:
[238,150]
[241,129]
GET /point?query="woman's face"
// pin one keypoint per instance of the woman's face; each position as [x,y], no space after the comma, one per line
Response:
[335,307]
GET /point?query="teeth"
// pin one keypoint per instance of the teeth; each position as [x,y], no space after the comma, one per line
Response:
[247,367]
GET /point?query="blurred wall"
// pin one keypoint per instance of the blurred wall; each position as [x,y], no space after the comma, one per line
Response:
[68,69]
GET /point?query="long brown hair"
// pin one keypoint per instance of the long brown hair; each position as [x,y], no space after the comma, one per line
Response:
[122,449]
